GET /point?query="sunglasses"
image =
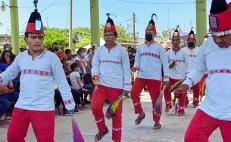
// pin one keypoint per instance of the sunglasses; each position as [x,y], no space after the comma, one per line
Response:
[40,37]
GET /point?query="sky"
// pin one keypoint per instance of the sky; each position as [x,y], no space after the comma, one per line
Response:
[55,13]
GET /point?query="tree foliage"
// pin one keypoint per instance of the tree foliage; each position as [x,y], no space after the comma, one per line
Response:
[81,36]
[168,32]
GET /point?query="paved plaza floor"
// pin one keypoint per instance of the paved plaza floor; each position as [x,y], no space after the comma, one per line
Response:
[173,127]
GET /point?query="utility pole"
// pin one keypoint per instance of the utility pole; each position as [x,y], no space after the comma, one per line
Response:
[201,20]
[94,10]
[70,28]
[14,25]
[134,28]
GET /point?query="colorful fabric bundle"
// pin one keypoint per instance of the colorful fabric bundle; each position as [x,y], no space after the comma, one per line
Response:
[202,91]
[176,85]
[77,137]
[158,105]
[112,108]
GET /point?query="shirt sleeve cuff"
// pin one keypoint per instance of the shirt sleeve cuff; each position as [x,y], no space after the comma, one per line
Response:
[69,104]
[166,78]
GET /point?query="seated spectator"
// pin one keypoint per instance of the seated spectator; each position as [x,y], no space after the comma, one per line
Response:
[88,85]
[81,60]
[7,47]
[6,59]
[76,82]
[69,60]
[90,54]
[7,95]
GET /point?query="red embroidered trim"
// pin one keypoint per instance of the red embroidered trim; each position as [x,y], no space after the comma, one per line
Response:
[36,72]
[193,56]
[70,101]
[225,71]
[150,54]
[110,61]
[177,60]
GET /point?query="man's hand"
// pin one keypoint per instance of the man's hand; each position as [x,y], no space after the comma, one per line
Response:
[84,90]
[166,83]
[133,69]
[182,89]
[95,78]
[126,92]
[5,90]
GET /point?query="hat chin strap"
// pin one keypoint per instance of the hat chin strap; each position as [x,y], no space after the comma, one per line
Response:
[222,33]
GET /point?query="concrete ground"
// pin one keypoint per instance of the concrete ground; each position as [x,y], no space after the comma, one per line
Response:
[173,127]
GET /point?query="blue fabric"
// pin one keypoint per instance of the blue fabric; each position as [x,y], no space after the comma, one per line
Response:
[5,101]
[89,88]
[4,105]
[3,67]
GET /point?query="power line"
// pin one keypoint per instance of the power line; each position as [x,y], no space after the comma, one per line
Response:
[25,7]
[124,21]
[48,6]
[53,3]
[114,13]
[159,3]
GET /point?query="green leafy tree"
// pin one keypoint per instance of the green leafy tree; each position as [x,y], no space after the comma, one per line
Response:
[81,36]
[168,33]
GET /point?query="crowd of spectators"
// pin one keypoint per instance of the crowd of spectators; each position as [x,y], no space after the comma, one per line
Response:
[77,67]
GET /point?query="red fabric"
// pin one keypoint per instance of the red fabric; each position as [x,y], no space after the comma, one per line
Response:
[191,36]
[196,91]
[31,28]
[109,29]
[167,94]
[151,28]
[43,124]
[222,22]
[202,81]
[61,54]
[202,125]
[154,91]
[98,98]
[156,117]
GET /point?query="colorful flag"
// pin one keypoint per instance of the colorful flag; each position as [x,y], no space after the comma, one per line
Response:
[112,108]
[176,85]
[158,105]
[202,91]
[77,137]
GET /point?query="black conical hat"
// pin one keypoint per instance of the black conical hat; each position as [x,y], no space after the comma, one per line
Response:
[34,24]
[218,6]
[35,15]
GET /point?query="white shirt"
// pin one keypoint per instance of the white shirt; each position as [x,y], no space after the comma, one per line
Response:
[149,61]
[215,61]
[112,67]
[192,54]
[181,59]
[37,81]
[73,79]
